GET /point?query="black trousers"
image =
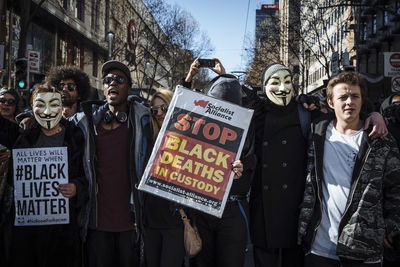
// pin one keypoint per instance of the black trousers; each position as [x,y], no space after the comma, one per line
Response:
[278,257]
[45,246]
[312,260]
[224,240]
[164,247]
[112,249]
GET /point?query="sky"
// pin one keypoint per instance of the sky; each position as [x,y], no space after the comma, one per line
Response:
[224,21]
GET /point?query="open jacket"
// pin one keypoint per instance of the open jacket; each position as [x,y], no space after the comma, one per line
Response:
[139,140]
[372,210]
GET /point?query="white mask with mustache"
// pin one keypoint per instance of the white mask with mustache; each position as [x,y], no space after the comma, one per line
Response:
[279,88]
[47,109]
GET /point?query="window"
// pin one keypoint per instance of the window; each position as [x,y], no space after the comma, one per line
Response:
[373,28]
[94,23]
[95,64]
[385,18]
[334,39]
[69,53]
[80,10]
[342,33]
[363,36]
[66,5]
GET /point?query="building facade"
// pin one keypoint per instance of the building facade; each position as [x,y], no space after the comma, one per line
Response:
[376,25]
[324,41]
[77,32]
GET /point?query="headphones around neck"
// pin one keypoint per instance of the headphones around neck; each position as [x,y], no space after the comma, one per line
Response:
[120,117]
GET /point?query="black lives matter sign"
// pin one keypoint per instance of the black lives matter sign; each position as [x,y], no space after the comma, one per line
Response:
[37,174]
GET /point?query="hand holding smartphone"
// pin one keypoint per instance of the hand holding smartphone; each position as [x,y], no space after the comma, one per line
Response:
[206,63]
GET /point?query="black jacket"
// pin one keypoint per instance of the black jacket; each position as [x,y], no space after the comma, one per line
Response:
[73,140]
[278,185]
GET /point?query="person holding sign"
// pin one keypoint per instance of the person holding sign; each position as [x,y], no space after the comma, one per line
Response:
[49,184]
[224,240]
[163,235]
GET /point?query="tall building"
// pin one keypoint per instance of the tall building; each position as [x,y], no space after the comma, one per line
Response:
[267,23]
[325,42]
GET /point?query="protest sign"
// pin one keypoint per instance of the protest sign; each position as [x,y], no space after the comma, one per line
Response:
[37,174]
[199,140]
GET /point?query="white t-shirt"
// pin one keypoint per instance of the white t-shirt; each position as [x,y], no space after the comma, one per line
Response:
[340,153]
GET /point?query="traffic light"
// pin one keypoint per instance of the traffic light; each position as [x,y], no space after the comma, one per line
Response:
[21,74]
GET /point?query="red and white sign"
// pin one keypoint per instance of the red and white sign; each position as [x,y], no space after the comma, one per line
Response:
[191,161]
[132,36]
[270,6]
[392,64]
[34,61]
[396,84]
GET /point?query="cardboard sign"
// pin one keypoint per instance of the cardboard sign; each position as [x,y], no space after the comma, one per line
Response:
[191,161]
[37,174]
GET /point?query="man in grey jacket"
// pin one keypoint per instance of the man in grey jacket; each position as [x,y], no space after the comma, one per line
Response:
[350,207]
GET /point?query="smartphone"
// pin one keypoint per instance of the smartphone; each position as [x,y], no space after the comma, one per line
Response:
[207,63]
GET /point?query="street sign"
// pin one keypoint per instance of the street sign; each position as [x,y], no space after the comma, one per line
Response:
[392,64]
[132,36]
[33,61]
[335,63]
[396,84]
[270,6]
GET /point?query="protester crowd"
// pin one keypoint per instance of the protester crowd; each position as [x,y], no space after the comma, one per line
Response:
[313,186]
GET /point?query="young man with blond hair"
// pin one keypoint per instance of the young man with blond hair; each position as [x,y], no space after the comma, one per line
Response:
[350,207]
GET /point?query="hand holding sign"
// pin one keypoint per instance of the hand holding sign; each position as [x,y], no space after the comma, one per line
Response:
[237,168]
[67,190]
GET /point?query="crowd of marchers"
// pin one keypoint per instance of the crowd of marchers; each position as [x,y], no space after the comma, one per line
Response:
[317,183]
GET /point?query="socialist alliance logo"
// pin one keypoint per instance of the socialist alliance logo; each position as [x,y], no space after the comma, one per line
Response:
[201,103]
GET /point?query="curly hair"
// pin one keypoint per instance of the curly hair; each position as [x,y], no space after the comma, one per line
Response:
[56,74]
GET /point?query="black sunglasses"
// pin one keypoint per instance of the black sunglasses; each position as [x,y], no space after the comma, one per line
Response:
[154,109]
[118,79]
[8,101]
[70,86]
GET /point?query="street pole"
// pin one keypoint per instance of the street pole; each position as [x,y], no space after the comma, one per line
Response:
[10,32]
[110,39]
